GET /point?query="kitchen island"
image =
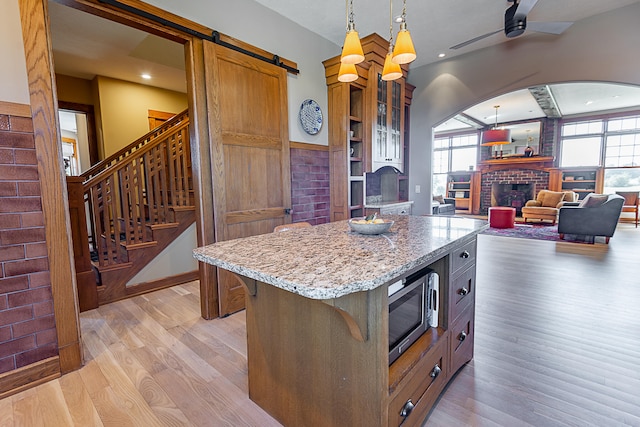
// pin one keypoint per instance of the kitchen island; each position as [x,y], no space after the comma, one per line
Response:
[317,318]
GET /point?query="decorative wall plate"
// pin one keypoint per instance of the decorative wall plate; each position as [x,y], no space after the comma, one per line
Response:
[310,116]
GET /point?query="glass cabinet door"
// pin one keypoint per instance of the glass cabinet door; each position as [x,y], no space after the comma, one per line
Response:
[387,144]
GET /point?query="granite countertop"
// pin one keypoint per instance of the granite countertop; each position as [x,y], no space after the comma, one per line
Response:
[386,204]
[329,260]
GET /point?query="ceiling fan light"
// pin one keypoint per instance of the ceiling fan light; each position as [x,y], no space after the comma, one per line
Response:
[404,52]
[496,137]
[391,70]
[347,73]
[352,50]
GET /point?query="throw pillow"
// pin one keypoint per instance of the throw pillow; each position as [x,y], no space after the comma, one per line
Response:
[593,200]
[552,198]
[439,199]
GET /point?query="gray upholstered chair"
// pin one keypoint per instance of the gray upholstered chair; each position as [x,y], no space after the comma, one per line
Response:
[595,215]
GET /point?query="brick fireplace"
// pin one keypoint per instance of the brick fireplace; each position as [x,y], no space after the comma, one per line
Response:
[513,176]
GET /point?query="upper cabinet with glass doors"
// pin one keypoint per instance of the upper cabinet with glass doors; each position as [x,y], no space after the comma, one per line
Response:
[387,147]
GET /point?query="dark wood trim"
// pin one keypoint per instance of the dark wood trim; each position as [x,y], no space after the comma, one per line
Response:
[15,109]
[202,178]
[41,78]
[308,146]
[29,376]
[537,162]
[165,282]
[92,136]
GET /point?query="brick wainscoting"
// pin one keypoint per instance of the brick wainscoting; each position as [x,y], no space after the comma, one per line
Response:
[540,180]
[27,324]
[310,184]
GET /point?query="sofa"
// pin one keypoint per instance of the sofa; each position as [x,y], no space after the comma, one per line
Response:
[595,215]
[546,205]
[444,206]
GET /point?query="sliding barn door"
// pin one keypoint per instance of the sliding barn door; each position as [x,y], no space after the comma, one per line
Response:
[247,105]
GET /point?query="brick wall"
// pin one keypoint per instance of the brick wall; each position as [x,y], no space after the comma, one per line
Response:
[310,185]
[540,180]
[27,326]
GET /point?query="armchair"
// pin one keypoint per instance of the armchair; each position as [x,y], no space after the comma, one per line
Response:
[595,215]
[546,205]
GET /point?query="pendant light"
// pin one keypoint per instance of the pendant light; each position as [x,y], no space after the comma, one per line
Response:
[496,136]
[352,50]
[391,70]
[404,52]
[347,73]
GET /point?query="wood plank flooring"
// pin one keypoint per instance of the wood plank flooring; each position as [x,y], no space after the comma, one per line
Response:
[557,344]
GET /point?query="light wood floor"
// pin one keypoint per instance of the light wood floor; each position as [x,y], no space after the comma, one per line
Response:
[557,344]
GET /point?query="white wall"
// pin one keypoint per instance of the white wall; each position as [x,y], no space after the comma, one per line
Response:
[14,86]
[177,258]
[251,22]
[601,48]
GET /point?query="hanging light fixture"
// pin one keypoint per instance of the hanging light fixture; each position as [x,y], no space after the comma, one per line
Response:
[496,136]
[391,70]
[347,73]
[404,52]
[352,49]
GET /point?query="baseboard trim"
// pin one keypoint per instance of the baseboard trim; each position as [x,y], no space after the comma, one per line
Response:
[21,379]
[165,282]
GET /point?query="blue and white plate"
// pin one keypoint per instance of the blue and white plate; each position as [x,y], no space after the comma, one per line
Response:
[310,116]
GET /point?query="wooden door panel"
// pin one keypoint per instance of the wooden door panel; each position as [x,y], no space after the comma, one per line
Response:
[257,177]
[247,103]
[259,113]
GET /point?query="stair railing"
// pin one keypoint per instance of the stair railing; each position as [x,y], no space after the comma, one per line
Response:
[137,188]
[135,145]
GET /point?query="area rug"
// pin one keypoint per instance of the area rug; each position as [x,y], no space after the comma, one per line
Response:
[537,232]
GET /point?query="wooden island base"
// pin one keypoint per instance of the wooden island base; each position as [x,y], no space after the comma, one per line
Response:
[318,318]
[325,362]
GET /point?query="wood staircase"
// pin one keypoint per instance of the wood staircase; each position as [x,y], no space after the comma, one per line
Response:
[127,209]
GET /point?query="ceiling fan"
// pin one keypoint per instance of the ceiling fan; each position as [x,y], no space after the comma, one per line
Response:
[515,23]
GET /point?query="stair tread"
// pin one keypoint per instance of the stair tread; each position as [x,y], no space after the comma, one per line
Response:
[141,245]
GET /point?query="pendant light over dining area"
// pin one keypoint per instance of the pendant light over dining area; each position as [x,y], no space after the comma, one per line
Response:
[496,136]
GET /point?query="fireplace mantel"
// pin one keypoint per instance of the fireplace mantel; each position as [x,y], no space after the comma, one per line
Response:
[543,163]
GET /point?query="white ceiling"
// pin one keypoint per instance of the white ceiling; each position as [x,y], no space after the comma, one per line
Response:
[435,25]
[85,45]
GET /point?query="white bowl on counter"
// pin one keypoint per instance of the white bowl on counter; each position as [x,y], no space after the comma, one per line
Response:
[371,227]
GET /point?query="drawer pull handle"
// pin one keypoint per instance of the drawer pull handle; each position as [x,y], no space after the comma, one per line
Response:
[435,372]
[462,336]
[463,291]
[465,255]
[407,409]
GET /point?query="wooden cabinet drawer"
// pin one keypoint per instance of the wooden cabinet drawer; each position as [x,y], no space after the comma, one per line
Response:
[461,340]
[463,256]
[462,292]
[421,386]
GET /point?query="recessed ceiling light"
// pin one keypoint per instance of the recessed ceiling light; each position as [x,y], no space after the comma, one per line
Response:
[398,19]
[588,103]
[146,76]
[442,55]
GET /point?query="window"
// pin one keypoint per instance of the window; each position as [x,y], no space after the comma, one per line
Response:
[452,153]
[623,142]
[612,142]
[581,143]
